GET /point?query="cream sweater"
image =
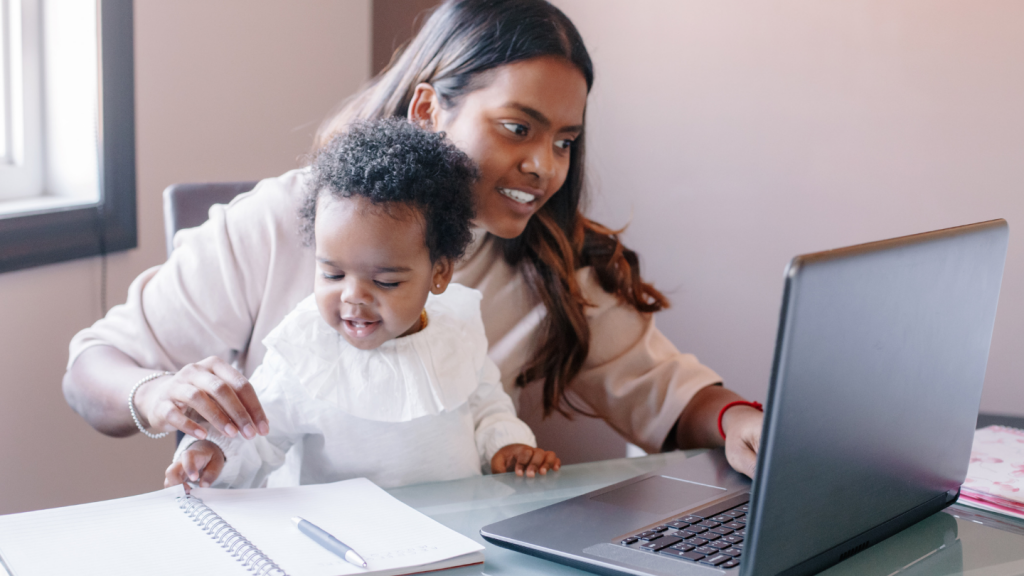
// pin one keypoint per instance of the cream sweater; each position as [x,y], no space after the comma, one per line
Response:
[230,281]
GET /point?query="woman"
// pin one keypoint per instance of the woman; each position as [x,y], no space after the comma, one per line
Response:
[563,301]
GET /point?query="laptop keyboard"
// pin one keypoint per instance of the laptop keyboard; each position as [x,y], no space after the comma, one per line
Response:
[712,536]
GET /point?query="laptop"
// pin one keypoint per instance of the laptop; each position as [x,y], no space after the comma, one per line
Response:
[874,394]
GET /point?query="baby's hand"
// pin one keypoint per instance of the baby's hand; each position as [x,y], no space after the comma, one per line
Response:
[202,456]
[527,460]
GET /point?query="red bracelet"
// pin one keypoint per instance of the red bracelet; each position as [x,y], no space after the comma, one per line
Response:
[730,405]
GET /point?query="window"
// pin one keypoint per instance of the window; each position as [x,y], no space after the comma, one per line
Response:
[67,157]
[5,98]
[20,177]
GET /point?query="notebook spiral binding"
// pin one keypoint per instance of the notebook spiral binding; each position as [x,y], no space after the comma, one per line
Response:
[251,557]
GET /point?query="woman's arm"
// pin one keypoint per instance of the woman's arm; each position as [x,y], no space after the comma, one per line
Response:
[698,427]
[654,395]
[98,383]
[227,283]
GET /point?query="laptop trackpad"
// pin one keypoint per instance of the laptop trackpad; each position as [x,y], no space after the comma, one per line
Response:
[660,495]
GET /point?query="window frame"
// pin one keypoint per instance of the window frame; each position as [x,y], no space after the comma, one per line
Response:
[61,234]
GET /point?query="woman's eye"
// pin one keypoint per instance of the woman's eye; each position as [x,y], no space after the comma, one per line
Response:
[564,143]
[387,284]
[515,128]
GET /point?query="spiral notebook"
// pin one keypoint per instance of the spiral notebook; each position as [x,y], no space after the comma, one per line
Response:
[214,531]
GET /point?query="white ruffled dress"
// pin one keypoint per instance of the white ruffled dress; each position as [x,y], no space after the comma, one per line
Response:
[426,407]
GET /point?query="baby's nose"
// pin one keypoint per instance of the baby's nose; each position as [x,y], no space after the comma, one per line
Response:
[357,294]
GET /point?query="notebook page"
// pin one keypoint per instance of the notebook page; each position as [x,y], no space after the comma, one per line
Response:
[389,535]
[145,535]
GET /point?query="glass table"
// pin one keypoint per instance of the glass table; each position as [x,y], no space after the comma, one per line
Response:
[959,540]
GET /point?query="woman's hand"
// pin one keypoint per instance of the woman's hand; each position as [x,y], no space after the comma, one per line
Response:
[698,427]
[527,460]
[211,389]
[203,457]
[742,426]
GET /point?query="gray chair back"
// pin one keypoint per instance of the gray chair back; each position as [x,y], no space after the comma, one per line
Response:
[188,205]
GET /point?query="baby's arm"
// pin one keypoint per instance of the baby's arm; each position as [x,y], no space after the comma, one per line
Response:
[526,460]
[225,462]
[200,463]
[503,440]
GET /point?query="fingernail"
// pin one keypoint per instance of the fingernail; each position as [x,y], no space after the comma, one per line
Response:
[264,428]
[248,431]
[230,430]
[200,433]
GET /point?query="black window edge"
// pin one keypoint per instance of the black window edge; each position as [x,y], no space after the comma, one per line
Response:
[110,225]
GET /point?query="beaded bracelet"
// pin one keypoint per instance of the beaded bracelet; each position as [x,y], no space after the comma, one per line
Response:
[131,404]
[730,405]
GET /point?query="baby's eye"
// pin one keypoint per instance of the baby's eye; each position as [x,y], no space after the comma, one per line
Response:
[387,284]
[564,143]
[515,128]
[333,276]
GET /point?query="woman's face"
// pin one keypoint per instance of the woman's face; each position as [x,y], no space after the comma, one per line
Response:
[518,128]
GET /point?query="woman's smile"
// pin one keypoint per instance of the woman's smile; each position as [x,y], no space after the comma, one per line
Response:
[518,195]
[522,201]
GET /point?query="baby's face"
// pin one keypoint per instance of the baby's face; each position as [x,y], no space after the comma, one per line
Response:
[373,270]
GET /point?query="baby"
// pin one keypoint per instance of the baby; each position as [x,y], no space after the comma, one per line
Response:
[383,371]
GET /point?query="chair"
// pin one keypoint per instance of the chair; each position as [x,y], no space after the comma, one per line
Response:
[188,205]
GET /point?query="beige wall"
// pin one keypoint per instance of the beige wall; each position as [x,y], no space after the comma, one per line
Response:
[226,90]
[394,23]
[734,135]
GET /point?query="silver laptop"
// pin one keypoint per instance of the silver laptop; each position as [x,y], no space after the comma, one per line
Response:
[873,399]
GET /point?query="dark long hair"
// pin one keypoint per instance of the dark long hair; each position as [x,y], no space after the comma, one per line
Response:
[460,41]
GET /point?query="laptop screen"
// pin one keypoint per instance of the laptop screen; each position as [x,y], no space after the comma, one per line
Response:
[878,374]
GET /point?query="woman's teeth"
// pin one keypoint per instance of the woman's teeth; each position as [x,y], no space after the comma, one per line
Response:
[517,195]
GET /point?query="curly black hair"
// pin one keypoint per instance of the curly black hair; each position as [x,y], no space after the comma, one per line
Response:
[392,162]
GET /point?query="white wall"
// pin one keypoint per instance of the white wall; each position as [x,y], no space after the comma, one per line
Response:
[734,135]
[226,90]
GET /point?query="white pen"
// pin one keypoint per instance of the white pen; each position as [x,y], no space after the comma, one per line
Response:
[324,539]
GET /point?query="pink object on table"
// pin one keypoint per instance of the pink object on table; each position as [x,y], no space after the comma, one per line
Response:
[995,477]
